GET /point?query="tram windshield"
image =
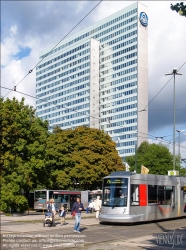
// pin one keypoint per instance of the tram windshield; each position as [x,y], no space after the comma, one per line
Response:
[115,192]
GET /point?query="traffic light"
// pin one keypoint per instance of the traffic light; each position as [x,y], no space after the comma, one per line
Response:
[14,88]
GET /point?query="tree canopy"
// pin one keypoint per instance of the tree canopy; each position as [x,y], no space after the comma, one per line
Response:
[32,158]
[156,157]
[23,139]
[83,156]
[179,8]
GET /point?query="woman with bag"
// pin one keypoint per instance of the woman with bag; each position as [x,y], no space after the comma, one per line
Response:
[76,211]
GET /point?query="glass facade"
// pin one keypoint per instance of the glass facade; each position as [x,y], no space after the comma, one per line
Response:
[93,78]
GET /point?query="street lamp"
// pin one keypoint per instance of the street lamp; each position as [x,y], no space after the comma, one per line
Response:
[174,72]
[179,131]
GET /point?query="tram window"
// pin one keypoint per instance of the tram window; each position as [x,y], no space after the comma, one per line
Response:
[172,201]
[115,192]
[169,191]
[184,197]
[152,194]
[165,195]
[161,195]
[134,195]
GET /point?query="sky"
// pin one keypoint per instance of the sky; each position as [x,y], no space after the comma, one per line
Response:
[29,27]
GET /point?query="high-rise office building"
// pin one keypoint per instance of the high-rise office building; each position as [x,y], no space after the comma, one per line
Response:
[99,78]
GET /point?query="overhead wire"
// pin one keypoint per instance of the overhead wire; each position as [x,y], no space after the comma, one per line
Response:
[161,89]
[108,122]
[50,102]
[30,71]
[161,109]
[75,110]
[11,90]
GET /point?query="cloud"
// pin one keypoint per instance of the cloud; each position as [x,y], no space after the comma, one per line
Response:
[9,47]
[39,25]
[13,30]
[166,51]
[26,31]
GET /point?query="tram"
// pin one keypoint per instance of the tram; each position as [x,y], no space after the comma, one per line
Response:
[129,197]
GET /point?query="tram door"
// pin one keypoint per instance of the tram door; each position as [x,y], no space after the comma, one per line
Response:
[143,195]
[139,194]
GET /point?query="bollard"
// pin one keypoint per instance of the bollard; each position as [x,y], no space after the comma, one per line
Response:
[10,210]
[43,209]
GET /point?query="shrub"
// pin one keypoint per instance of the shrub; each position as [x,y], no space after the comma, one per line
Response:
[17,203]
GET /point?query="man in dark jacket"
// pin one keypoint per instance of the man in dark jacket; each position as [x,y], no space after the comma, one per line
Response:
[77,207]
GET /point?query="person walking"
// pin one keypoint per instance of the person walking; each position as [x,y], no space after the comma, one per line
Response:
[97,206]
[77,208]
[91,207]
[62,216]
[53,209]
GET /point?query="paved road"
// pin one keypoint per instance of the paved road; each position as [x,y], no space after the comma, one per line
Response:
[29,234]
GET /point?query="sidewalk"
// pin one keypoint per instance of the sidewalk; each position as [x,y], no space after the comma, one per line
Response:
[33,216]
[34,223]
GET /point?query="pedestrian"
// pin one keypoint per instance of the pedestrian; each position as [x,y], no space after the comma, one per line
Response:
[87,210]
[93,203]
[52,208]
[97,206]
[62,216]
[66,208]
[91,206]
[77,208]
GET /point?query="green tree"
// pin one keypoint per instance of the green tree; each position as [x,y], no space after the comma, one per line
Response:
[23,140]
[156,157]
[82,155]
[179,8]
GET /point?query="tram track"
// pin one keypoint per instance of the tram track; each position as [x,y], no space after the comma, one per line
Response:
[107,237]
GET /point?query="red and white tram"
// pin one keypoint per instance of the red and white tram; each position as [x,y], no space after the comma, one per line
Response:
[128,197]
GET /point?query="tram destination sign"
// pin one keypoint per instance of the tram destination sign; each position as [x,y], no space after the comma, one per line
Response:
[115,181]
